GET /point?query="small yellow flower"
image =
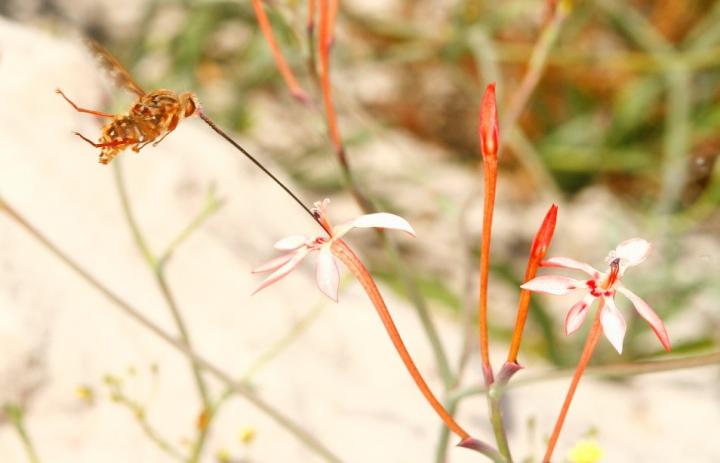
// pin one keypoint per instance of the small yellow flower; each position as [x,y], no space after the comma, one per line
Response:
[585,451]
[85,393]
[222,456]
[247,434]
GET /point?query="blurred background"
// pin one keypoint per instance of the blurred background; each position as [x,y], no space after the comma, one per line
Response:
[607,108]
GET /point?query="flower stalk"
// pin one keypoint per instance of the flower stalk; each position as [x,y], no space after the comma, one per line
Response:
[590,344]
[537,254]
[343,252]
[488,131]
[297,92]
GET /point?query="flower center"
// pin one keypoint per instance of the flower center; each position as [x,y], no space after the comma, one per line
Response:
[614,272]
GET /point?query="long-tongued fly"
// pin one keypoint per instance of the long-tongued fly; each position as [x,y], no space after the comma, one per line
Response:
[150,119]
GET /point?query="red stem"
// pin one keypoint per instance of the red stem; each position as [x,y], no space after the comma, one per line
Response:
[590,343]
[540,244]
[324,39]
[356,267]
[490,180]
[287,74]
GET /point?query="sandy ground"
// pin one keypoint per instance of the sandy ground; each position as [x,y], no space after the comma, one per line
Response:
[340,379]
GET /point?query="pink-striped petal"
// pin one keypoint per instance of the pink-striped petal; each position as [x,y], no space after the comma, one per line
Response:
[282,271]
[613,324]
[566,262]
[552,284]
[273,264]
[577,313]
[327,273]
[646,312]
[633,251]
[383,220]
[291,242]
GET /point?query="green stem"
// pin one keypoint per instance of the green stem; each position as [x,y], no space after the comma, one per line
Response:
[159,273]
[296,429]
[15,414]
[494,398]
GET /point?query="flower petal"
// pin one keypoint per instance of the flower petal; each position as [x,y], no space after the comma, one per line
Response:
[633,251]
[552,284]
[327,273]
[382,220]
[286,268]
[646,312]
[577,313]
[566,262]
[273,264]
[291,242]
[613,324]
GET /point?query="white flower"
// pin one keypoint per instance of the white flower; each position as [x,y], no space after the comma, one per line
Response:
[602,285]
[327,274]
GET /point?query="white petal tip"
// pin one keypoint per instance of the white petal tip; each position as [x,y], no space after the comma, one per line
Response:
[384,220]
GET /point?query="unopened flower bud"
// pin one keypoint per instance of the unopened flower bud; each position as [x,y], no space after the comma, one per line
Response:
[488,127]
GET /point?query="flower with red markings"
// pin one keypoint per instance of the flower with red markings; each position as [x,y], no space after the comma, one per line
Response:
[602,285]
[298,247]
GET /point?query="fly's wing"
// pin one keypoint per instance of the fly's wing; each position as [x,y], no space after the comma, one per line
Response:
[117,71]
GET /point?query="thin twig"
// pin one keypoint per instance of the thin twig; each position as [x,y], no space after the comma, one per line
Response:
[158,268]
[618,370]
[536,66]
[296,429]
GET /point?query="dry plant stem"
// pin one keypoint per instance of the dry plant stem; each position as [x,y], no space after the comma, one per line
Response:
[292,427]
[590,343]
[535,69]
[617,370]
[271,353]
[489,179]
[356,267]
[282,66]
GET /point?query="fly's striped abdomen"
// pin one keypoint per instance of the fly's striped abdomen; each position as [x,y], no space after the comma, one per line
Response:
[122,132]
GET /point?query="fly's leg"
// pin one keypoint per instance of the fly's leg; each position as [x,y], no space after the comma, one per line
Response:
[115,143]
[162,138]
[83,110]
[139,146]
